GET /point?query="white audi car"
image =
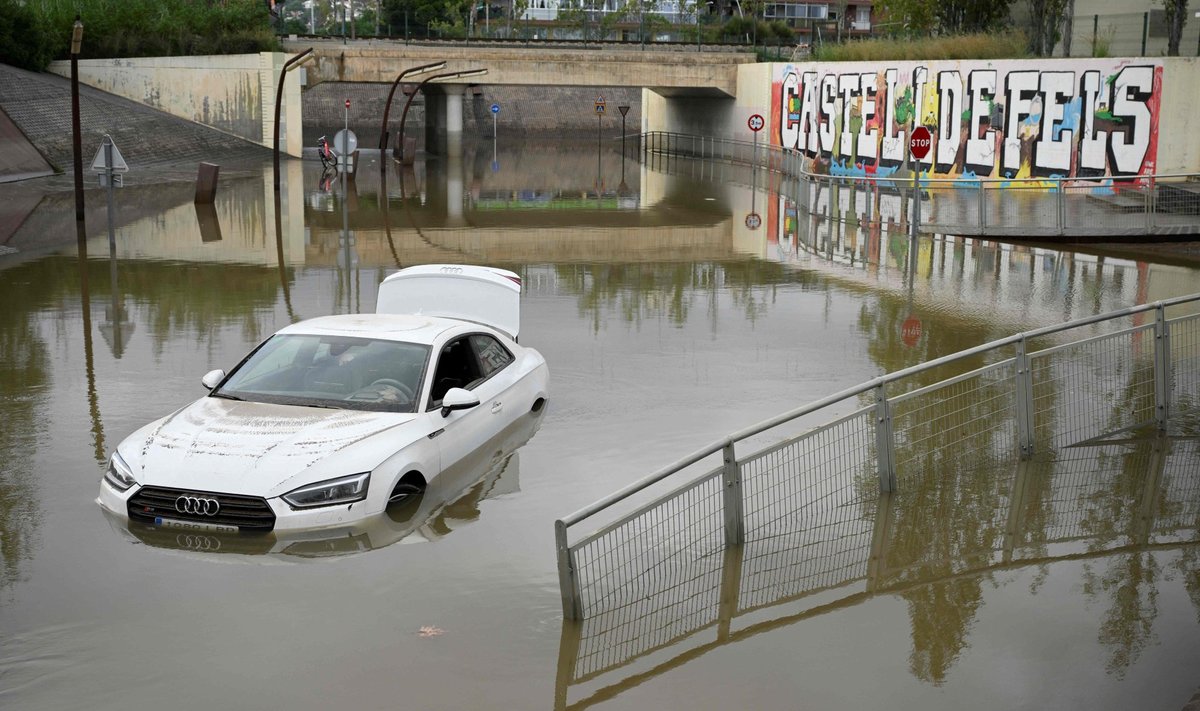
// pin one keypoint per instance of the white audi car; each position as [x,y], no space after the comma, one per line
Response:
[330,420]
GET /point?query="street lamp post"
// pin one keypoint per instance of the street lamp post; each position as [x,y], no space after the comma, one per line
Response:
[387,107]
[435,77]
[287,66]
[76,133]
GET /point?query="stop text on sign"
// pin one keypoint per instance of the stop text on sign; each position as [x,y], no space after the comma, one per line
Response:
[920,142]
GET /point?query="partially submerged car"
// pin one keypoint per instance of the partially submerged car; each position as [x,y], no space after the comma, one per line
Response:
[331,420]
[451,501]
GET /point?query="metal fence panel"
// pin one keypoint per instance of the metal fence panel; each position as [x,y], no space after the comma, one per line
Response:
[1185,364]
[1099,385]
[975,412]
[665,552]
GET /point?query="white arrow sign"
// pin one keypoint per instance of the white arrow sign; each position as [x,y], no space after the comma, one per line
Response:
[100,165]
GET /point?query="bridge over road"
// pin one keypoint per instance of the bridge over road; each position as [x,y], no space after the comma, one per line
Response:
[669,73]
[691,81]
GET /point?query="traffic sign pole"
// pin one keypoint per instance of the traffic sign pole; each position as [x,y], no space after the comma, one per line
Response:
[918,146]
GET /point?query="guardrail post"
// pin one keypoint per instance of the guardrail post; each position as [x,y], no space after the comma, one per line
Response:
[1162,367]
[1062,207]
[731,479]
[568,583]
[1151,205]
[1024,404]
[884,442]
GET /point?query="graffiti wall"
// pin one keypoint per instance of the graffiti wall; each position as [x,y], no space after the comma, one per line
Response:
[1089,119]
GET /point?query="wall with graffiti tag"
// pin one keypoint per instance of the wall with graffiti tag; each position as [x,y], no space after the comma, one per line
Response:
[1088,119]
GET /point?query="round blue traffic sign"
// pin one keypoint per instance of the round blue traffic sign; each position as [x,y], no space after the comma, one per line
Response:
[495,108]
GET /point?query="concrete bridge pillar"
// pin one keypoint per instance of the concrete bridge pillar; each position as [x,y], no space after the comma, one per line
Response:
[444,119]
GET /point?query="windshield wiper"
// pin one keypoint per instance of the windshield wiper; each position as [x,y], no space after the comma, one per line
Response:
[227,396]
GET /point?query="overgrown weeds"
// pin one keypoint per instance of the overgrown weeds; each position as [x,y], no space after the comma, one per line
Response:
[987,45]
[32,34]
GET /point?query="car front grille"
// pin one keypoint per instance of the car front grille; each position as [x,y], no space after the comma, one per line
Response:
[248,513]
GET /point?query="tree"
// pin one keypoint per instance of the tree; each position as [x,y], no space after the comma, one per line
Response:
[1176,11]
[1045,23]
[923,17]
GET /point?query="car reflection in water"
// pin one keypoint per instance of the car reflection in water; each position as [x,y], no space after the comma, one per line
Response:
[448,502]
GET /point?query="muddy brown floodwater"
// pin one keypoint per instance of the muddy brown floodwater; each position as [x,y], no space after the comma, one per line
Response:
[667,323]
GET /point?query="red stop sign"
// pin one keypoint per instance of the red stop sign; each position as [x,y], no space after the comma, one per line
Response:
[920,142]
[910,330]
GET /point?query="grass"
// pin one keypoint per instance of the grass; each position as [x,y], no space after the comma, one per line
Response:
[999,45]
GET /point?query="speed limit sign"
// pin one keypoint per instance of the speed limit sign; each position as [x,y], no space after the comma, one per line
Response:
[753,221]
[756,122]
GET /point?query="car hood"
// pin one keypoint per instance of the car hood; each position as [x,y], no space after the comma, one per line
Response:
[250,448]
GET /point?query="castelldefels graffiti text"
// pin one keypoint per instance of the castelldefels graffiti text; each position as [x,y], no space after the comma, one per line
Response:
[1079,119]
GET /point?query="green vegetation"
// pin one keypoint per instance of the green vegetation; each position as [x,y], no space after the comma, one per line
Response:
[32,34]
[1002,45]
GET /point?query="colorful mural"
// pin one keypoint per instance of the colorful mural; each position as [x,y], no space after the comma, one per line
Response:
[1089,119]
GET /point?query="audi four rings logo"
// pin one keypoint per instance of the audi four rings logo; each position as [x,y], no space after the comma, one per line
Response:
[197,506]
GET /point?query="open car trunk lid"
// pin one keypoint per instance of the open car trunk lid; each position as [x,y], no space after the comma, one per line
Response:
[460,291]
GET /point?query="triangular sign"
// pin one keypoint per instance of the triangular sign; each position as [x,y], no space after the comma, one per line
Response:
[100,165]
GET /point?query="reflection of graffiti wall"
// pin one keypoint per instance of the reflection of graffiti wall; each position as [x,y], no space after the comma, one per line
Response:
[1089,119]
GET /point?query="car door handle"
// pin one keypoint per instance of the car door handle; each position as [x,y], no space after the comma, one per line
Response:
[497,406]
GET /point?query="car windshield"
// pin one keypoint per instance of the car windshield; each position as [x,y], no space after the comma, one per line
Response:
[330,371]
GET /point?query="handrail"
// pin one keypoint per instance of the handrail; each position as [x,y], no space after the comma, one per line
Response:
[883,380]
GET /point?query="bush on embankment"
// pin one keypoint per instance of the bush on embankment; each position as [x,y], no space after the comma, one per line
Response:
[984,45]
[32,34]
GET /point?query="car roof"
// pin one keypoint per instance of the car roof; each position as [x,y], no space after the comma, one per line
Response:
[390,327]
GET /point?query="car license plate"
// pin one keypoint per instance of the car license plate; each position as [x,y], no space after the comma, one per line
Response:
[193,525]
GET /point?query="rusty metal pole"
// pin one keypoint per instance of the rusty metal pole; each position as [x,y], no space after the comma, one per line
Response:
[302,57]
[76,131]
[447,75]
[387,107]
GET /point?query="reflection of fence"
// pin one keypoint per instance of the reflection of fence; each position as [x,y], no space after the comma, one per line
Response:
[1080,502]
[1142,204]
[1016,395]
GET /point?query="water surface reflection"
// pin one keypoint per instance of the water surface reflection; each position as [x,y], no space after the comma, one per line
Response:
[667,323]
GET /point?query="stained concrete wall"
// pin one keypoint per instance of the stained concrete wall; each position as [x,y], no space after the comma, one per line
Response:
[231,93]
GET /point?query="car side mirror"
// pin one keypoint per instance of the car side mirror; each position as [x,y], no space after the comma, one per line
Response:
[212,378]
[458,399]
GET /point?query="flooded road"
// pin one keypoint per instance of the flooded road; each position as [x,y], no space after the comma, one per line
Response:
[667,321]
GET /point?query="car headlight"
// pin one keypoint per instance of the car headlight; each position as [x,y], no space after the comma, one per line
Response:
[343,490]
[118,475]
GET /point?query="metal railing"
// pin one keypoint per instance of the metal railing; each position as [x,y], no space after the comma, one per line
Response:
[1013,396]
[1077,504]
[1158,204]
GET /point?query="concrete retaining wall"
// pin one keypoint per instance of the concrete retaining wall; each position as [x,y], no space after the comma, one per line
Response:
[1092,119]
[231,93]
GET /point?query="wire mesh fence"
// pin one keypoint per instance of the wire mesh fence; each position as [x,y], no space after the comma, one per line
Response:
[663,550]
[1128,34]
[799,508]
[1100,385]
[961,518]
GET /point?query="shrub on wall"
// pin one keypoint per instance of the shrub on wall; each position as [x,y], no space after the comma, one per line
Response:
[149,28]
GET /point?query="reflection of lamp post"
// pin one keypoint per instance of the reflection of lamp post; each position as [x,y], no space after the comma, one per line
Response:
[287,66]
[387,108]
[77,141]
[435,77]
